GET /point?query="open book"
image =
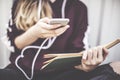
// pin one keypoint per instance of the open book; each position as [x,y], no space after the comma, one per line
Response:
[62,61]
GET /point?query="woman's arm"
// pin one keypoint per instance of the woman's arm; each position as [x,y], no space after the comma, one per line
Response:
[40,30]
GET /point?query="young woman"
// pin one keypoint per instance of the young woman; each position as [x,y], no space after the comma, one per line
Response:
[29,26]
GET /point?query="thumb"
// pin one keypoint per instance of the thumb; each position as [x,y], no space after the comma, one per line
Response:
[46,20]
[79,67]
[105,52]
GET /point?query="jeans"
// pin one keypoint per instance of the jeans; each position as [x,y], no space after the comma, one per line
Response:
[104,72]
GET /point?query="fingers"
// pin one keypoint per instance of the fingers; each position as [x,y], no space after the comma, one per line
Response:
[45,20]
[53,33]
[48,33]
[90,55]
[61,30]
[45,30]
[44,23]
[84,57]
[79,67]
[100,54]
[105,52]
[94,56]
[50,27]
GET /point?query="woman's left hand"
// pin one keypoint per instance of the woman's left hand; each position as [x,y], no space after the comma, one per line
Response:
[92,58]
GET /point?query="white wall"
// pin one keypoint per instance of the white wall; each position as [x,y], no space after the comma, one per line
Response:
[5,6]
[111,27]
[104,23]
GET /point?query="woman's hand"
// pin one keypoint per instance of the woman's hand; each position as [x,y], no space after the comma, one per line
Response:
[40,30]
[44,30]
[92,58]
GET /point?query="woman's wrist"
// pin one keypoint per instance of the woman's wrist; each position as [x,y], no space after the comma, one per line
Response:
[25,39]
[32,32]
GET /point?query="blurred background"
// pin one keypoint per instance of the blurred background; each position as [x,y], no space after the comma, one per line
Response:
[104,24]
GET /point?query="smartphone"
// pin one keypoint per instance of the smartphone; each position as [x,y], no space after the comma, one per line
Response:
[62,21]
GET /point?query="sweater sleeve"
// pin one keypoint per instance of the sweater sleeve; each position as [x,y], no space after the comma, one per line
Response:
[76,43]
[8,39]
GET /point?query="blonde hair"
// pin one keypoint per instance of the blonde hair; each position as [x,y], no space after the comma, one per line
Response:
[26,13]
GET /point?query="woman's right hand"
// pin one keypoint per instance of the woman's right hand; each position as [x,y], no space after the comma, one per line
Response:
[44,30]
[40,30]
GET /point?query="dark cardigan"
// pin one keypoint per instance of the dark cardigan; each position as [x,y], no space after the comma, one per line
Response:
[70,41]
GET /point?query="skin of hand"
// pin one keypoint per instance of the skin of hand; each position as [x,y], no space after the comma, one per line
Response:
[40,30]
[92,58]
[44,30]
[116,66]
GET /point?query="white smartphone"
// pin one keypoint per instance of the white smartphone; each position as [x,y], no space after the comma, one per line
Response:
[62,21]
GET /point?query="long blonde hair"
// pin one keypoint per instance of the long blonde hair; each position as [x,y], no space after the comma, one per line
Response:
[26,13]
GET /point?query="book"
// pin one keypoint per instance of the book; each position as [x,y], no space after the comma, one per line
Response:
[63,61]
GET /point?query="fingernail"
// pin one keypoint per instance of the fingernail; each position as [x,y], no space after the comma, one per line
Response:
[67,26]
[84,55]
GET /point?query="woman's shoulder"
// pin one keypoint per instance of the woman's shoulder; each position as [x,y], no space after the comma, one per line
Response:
[80,4]
[77,3]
